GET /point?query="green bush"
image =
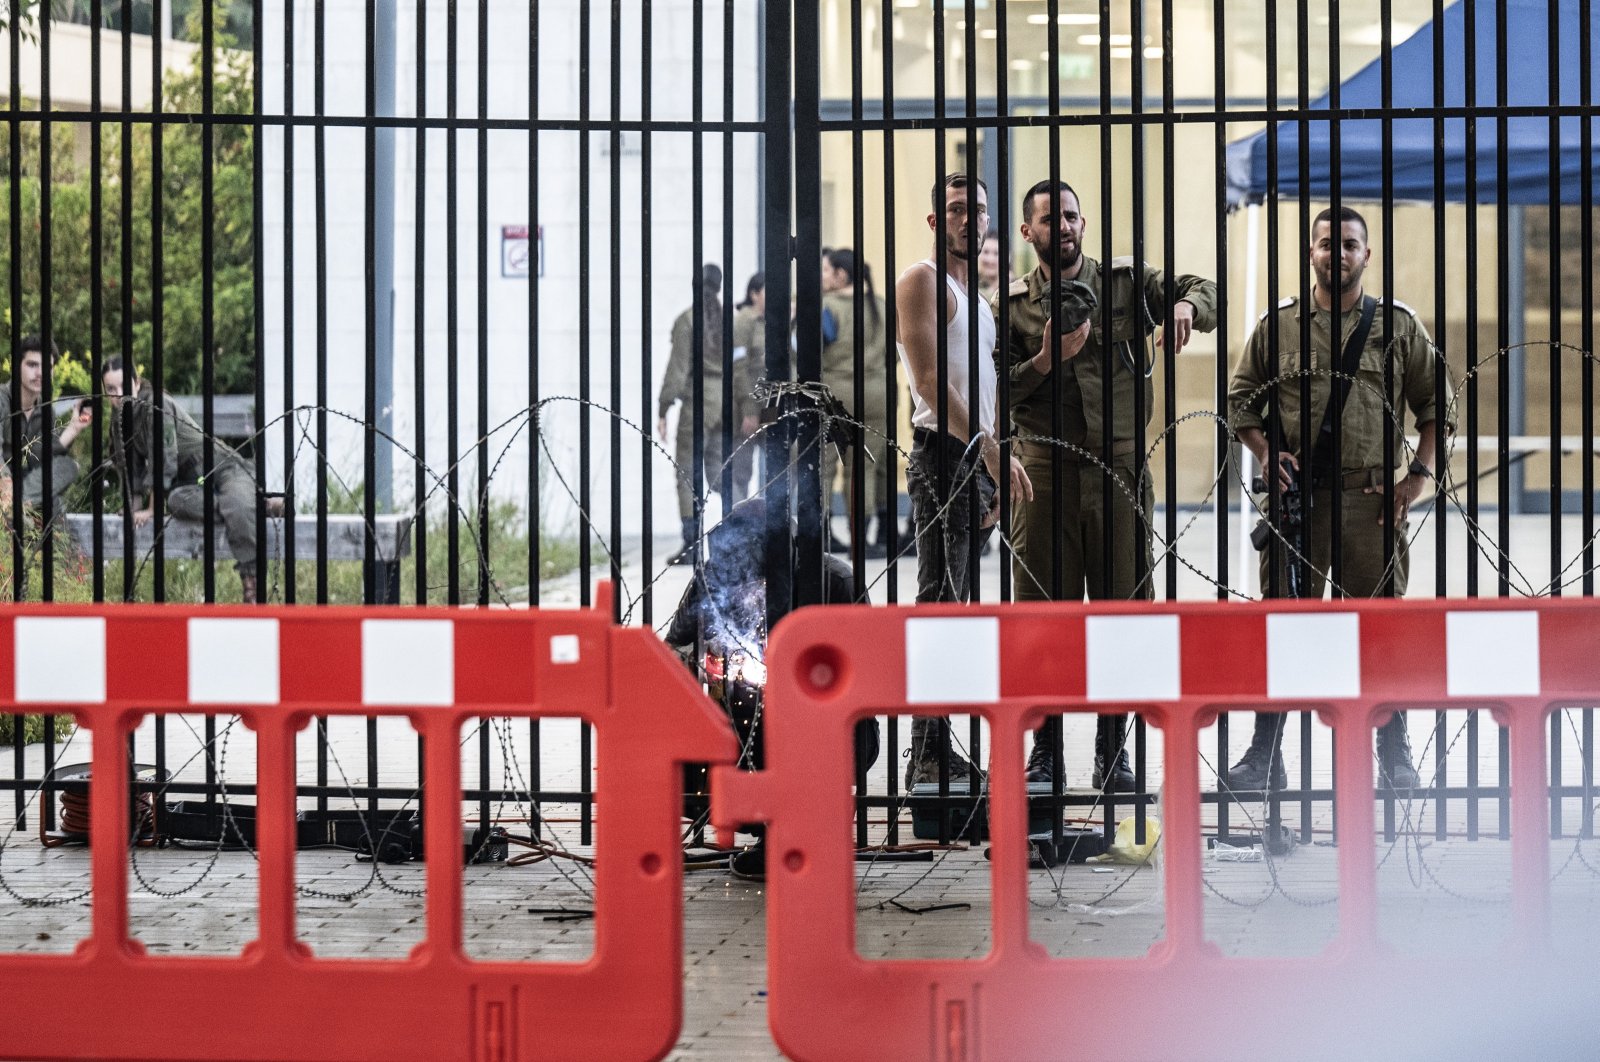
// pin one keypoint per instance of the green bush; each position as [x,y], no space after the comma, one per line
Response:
[32,728]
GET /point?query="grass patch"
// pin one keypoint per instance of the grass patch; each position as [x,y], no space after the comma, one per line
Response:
[341,582]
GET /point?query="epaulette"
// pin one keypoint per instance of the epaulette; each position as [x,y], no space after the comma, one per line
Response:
[1122,262]
[1397,304]
[1018,287]
[1283,304]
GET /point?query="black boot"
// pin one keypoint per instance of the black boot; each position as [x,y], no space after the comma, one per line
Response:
[1395,770]
[1041,761]
[878,545]
[1109,749]
[1252,772]
[691,538]
[928,736]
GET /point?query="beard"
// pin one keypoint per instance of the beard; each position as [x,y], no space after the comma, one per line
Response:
[1066,258]
[1351,280]
[957,246]
[1060,258]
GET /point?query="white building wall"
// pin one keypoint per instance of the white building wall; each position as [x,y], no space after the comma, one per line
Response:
[574,217]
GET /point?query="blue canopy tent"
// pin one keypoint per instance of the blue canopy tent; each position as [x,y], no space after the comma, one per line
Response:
[1528,142]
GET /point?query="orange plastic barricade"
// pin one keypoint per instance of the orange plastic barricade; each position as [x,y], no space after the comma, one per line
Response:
[276,667]
[1179,664]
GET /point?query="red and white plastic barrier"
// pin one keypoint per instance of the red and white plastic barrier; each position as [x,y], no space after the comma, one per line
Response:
[1179,665]
[112,665]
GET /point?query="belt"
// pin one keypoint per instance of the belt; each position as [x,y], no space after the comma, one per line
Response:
[926,437]
[1361,478]
[1042,450]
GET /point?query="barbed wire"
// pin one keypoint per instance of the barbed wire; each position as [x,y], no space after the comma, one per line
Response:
[435,489]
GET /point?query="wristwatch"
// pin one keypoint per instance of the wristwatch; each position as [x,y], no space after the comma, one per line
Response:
[1417,468]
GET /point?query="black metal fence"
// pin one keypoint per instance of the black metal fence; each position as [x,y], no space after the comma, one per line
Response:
[279,217]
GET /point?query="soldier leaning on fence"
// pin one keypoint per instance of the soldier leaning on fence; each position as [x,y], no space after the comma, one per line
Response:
[183,472]
[1053,224]
[1363,476]
[28,367]
[678,387]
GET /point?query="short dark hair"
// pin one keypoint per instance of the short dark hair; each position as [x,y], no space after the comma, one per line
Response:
[116,364]
[1345,214]
[1045,187]
[953,180]
[33,342]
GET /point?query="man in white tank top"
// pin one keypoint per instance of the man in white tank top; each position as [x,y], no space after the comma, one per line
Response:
[955,456]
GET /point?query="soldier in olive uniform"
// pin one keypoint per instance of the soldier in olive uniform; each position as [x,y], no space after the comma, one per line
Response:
[183,472]
[749,365]
[678,386]
[37,426]
[840,274]
[1033,351]
[1363,476]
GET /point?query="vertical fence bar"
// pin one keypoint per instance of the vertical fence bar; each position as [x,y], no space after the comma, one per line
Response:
[320,198]
[258,274]
[1553,250]
[46,313]
[534,411]
[158,338]
[97,283]
[1503,280]
[725,399]
[423,479]
[13,428]
[484,557]
[646,289]
[585,463]
[369,303]
[855,510]
[452,322]
[1586,242]
[1003,193]
[812,515]
[1169,240]
[1470,71]
[125,246]
[290,418]
[615,300]
[778,142]
[891,379]
[1224,438]
[208,341]
[1442,400]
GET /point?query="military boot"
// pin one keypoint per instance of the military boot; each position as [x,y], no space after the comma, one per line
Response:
[691,538]
[247,588]
[1252,771]
[1041,761]
[1110,749]
[928,737]
[1395,770]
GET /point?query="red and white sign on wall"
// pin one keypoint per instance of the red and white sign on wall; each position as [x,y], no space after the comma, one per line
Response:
[521,251]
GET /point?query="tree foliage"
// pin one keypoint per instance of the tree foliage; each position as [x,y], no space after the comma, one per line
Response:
[127,218]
